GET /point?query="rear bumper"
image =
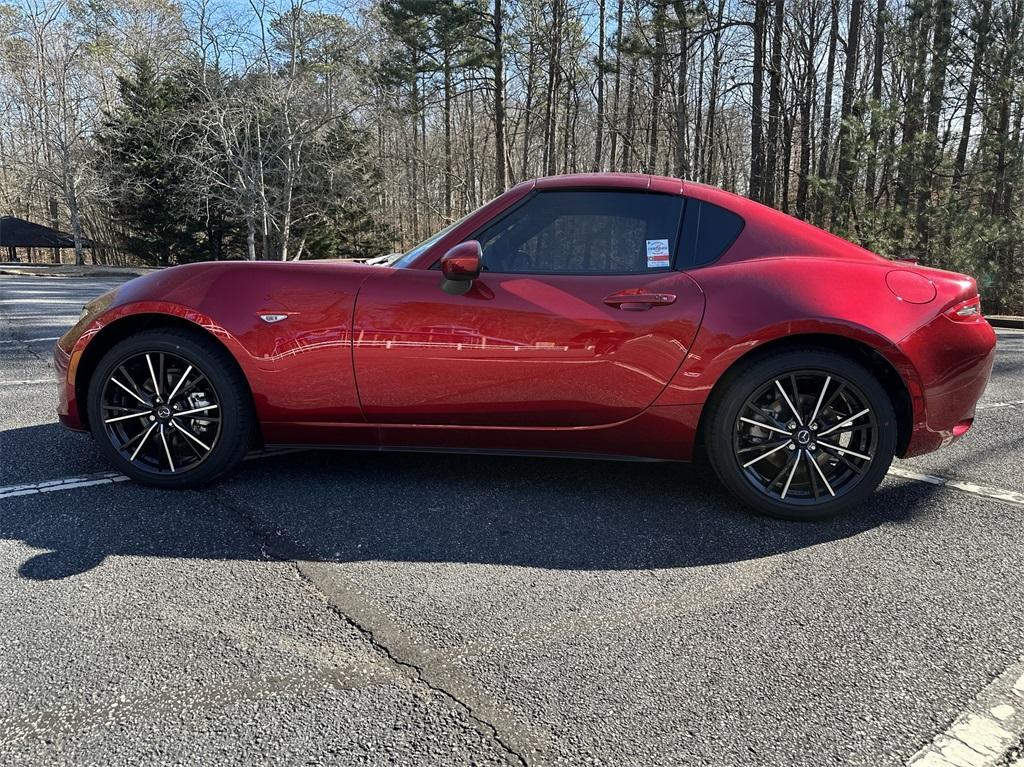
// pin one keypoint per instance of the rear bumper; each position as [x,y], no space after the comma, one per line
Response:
[953,361]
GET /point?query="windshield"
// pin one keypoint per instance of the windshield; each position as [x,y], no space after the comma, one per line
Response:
[418,250]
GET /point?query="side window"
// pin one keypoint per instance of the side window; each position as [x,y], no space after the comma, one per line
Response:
[580,232]
[708,231]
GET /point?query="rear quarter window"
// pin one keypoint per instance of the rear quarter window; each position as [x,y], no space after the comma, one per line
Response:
[708,231]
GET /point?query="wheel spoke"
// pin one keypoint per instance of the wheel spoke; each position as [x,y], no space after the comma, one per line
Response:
[845,422]
[115,381]
[137,414]
[192,437]
[782,472]
[821,474]
[849,464]
[195,410]
[167,450]
[817,406]
[143,442]
[833,397]
[796,392]
[843,450]
[768,415]
[152,375]
[177,386]
[814,479]
[852,429]
[789,402]
[762,425]
[192,384]
[761,446]
[765,455]
[792,471]
[131,381]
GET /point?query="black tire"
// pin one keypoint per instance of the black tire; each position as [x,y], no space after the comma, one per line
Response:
[740,428]
[215,380]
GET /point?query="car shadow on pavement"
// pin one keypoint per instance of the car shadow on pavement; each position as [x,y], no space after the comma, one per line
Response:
[341,506]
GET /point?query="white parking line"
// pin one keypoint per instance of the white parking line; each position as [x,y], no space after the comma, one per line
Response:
[91,480]
[28,340]
[986,491]
[68,483]
[990,405]
[985,732]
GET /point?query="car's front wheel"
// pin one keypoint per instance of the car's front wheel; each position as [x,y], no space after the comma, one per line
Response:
[169,408]
[801,434]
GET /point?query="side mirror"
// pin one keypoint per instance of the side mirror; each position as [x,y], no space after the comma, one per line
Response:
[460,266]
[462,263]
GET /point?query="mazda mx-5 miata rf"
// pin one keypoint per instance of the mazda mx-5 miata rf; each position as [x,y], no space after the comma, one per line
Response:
[618,316]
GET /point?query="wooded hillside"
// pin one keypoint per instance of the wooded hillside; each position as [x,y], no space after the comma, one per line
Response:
[176,130]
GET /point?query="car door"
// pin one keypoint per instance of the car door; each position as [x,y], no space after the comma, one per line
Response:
[577,319]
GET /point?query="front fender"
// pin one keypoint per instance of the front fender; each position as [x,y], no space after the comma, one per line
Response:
[298,368]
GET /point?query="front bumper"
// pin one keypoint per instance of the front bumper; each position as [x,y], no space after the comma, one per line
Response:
[953,361]
[67,399]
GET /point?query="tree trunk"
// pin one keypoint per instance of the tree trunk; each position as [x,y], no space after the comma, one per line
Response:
[826,121]
[770,180]
[981,30]
[499,101]
[618,82]
[757,95]
[707,174]
[550,110]
[908,167]
[876,104]
[448,96]
[528,107]
[806,103]
[599,138]
[627,136]
[656,96]
[682,163]
[936,87]
[847,131]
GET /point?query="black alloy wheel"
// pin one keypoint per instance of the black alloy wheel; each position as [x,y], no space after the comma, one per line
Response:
[161,412]
[170,408]
[802,434]
[805,436]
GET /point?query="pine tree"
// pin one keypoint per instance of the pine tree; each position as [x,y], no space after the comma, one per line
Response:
[147,185]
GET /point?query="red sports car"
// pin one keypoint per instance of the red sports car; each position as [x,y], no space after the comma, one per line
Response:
[620,316]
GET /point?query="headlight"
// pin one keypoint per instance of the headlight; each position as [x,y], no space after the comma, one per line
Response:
[89,312]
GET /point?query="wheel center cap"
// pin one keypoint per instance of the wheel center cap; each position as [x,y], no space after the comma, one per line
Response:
[803,437]
[163,413]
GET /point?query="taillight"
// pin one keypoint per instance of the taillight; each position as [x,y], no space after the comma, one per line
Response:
[965,311]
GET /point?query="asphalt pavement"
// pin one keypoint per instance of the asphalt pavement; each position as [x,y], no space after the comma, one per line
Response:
[349,608]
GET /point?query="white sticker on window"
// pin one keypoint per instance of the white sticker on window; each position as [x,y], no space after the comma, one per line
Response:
[657,254]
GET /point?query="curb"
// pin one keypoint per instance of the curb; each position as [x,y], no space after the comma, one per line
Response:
[1005,321]
[101,271]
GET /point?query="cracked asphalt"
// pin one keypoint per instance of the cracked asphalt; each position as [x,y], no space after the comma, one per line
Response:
[351,608]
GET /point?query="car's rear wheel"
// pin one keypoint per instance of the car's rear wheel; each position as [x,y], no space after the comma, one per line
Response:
[169,408]
[801,434]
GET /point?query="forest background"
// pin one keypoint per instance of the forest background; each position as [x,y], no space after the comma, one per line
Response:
[168,131]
